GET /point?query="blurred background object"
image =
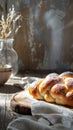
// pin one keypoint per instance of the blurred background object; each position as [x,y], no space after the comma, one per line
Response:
[45,39]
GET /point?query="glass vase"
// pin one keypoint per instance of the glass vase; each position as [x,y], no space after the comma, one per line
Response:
[8,56]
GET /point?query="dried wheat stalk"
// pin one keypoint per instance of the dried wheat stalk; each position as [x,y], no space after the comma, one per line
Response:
[10,25]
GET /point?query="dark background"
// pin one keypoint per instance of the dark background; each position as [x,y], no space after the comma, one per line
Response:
[45,39]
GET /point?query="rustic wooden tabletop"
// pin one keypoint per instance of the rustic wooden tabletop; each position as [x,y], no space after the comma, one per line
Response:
[6,113]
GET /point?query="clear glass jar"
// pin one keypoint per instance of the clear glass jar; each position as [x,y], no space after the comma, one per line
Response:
[8,56]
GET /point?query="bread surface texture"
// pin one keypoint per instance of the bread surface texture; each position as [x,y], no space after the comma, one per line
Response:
[54,88]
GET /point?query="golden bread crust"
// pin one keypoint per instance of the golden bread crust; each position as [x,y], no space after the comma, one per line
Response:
[54,88]
[34,89]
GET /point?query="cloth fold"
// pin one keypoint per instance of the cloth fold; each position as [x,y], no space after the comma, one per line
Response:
[45,116]
[42,107]
[52,122]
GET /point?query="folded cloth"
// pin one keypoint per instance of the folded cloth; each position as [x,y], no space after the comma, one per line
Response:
[42,107]
[51,122]
[45,116]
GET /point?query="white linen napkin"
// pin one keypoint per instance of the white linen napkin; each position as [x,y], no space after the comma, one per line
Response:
[49,122]
[42,107]
[45,116]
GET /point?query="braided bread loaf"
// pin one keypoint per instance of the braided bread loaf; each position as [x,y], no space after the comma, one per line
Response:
[54,88]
